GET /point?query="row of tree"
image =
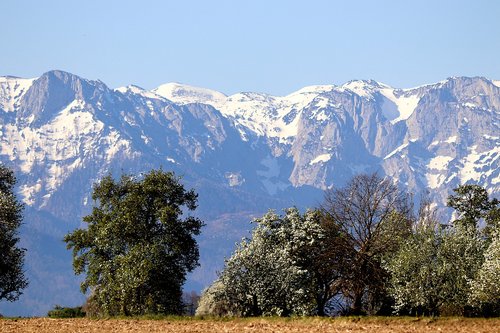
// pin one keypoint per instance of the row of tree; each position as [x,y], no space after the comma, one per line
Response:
[362,252]
[365,252]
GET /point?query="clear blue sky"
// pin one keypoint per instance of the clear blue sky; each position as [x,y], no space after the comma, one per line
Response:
[265,46]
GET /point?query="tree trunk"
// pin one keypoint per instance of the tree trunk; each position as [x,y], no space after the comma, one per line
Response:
[357,307]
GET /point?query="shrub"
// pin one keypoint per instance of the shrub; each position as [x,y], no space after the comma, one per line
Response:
[64,312]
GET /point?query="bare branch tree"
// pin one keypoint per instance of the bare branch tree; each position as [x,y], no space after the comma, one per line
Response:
[371,216]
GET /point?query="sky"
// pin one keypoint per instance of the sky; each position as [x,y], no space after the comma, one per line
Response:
[275,47]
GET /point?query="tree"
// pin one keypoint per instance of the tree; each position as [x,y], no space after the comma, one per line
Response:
[371,217]
[486,285]
[441,269]
[138,246]
[212,302]
[433,269]
[472,204]
[492,219]
[190,301]
[12,279]
[264,276]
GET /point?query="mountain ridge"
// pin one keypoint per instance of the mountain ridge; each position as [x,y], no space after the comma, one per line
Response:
[244,153]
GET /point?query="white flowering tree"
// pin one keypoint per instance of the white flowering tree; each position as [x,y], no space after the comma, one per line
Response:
[264,275]
[433,269]
[486,287]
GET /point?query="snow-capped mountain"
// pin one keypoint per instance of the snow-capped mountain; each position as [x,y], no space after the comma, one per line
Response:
[243,153]
[432,137]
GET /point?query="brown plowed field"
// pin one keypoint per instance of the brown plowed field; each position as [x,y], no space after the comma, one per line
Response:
[351,325]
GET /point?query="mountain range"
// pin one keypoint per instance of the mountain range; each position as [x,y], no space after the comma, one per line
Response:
[244,154]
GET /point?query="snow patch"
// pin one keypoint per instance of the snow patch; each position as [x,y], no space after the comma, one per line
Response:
[28,193]
[397,150]
[476,162]
[401,108]
[433,143]
[440,162]
[234,178]
[322,103]
[496,83]
[265,115]
[435,180]
[469,105]
[490,137]
[451,139]
[321,159]
[269,177]
[272,166]
[321,116]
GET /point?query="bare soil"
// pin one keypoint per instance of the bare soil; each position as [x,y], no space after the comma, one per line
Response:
[277,325]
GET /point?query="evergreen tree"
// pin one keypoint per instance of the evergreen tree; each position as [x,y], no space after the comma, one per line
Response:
[138,246]
[12,279]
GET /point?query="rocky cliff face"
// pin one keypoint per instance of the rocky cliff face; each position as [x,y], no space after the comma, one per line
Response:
[243,153]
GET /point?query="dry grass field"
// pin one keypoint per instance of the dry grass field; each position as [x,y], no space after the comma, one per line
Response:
[277,325]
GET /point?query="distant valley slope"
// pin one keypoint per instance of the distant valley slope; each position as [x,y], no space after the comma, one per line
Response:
[243,153]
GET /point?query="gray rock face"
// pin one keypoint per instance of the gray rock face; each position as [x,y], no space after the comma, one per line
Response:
[243,153]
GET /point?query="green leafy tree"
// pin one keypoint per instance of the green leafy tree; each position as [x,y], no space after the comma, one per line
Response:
[264,276]
[12,279]
[472,204]
[492,221]
[138,246]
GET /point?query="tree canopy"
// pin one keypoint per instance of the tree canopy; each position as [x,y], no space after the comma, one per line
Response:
[12,279]
[139,244]
[472,203]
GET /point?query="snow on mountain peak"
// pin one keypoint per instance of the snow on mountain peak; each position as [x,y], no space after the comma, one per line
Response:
[316,89]
[185,94]
[136,90]
[272,116]
[364,88]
